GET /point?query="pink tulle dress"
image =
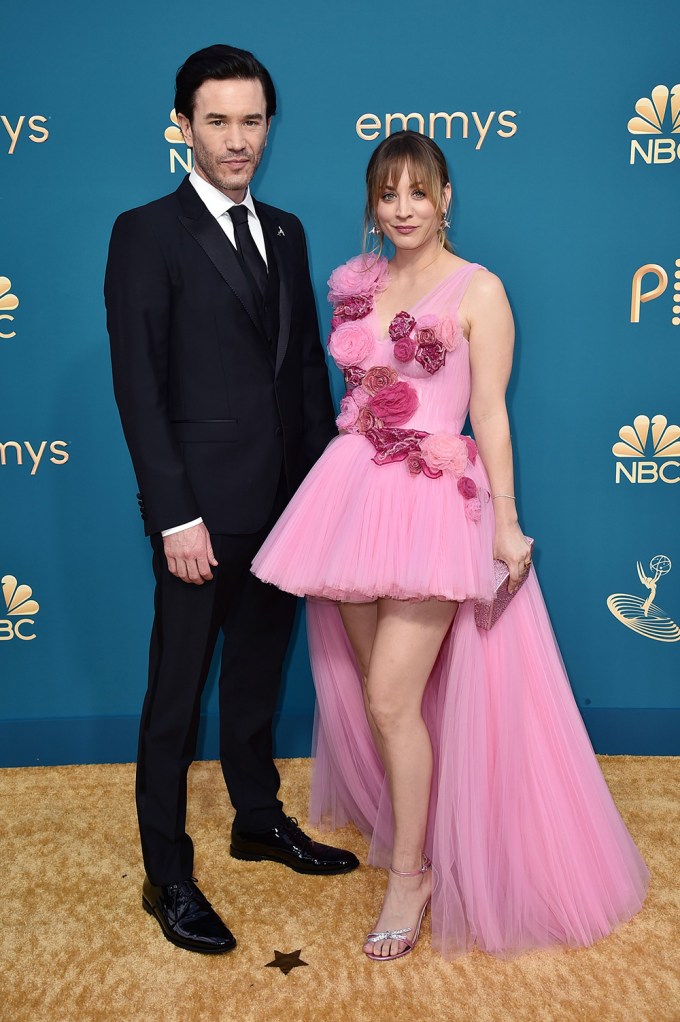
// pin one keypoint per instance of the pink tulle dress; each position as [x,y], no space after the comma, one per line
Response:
[527,845]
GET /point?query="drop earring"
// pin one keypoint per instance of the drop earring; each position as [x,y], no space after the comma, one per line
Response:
[377,239]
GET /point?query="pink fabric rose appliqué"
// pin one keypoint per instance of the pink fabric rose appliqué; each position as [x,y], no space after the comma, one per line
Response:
[445,453]
[349,413]
[449,334]
[363,276]
[350,343]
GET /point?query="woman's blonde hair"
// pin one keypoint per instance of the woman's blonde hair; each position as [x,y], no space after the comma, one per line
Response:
[426,165]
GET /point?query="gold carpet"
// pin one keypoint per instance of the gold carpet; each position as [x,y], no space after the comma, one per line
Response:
[75,945]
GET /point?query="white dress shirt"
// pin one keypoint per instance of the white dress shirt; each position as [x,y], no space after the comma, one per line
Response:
[219,205]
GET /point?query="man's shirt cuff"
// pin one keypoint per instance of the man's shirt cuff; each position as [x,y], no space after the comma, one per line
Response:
[181,528]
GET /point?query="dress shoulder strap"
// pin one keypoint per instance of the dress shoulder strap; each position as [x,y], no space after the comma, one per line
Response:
[460,282]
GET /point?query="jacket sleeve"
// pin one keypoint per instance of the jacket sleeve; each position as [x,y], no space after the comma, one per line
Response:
[138,296]
[319,416]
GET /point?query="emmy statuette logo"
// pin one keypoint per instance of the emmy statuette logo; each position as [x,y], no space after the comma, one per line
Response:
[8,303]
[20,608]
[639,445]
[37,132]
[656,116]
[638,297]
[642,615]
[184,156]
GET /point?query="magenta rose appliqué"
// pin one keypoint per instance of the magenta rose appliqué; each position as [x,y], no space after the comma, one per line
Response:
[431,356]
[401,326]
[395,404]
[404,350]
[354,375]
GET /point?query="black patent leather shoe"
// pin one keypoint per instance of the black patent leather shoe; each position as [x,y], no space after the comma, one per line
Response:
[186,917]
[287,844]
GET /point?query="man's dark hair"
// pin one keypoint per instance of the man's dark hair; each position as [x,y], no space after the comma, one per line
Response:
[220,62]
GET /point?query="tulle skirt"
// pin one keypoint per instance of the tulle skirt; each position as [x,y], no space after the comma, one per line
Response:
[355,531]
[528,847]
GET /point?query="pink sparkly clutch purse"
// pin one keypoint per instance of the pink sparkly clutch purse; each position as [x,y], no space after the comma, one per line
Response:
[486,614]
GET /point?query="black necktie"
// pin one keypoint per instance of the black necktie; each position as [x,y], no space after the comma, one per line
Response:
[247,249]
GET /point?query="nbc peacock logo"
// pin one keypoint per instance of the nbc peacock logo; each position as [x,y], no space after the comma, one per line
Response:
[8,303]
[643,615]
[657,115]
[184,155]
[20,608]
[638,445]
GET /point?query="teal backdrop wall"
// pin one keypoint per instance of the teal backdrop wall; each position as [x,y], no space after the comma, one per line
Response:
[561,188]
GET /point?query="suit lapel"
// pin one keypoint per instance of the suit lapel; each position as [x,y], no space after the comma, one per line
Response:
[278,248]
[203,227]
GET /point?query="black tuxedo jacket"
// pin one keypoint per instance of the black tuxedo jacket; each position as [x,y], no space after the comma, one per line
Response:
[210,409]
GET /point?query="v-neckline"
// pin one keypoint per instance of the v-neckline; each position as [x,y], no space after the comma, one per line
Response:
[384,334]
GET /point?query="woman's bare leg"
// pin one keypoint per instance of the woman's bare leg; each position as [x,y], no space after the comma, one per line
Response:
[395,644]
[360,621]
[407,639]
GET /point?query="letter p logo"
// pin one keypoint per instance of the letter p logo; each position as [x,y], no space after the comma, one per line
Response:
[638,296]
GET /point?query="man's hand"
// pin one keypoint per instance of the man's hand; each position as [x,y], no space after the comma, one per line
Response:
[189,554]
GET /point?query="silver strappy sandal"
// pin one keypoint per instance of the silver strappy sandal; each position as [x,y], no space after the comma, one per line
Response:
[400,935]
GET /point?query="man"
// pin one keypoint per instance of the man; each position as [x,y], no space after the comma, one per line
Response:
[222,388]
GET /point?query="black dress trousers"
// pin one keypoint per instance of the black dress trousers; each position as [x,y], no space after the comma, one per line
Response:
[256,620]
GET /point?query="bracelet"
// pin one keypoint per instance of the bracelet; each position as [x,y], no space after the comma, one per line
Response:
[508,495]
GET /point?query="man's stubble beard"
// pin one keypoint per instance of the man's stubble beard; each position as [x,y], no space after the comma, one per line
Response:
[214,171]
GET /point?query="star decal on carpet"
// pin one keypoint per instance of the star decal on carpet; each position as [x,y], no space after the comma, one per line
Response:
[286,962]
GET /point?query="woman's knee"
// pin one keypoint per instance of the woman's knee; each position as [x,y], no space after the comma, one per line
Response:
[389,712]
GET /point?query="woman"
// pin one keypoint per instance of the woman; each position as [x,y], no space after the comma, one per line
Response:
[444,741]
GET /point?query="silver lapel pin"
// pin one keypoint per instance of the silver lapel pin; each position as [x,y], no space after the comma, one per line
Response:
[281,233]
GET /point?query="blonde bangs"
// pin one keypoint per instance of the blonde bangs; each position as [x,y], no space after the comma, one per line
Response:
[421,171]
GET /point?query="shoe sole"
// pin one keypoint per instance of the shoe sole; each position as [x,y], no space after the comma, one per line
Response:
[255,857]
[185,947]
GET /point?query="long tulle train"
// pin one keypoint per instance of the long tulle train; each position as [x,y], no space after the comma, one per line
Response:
[528,847]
